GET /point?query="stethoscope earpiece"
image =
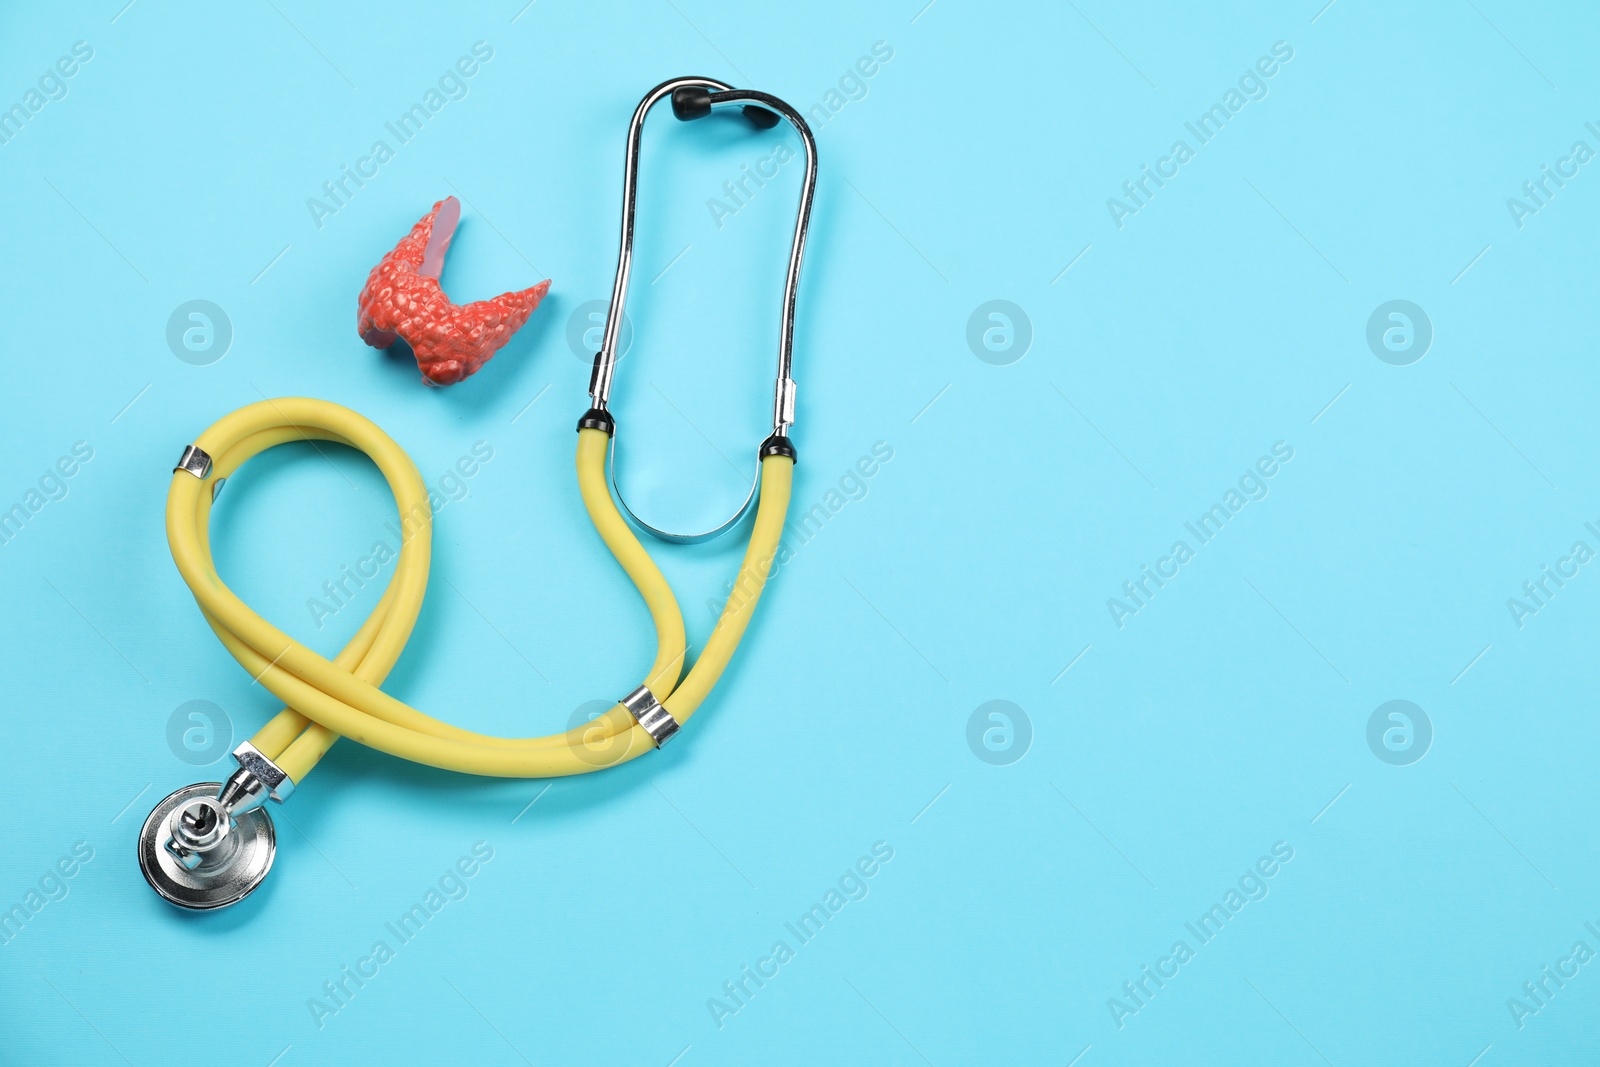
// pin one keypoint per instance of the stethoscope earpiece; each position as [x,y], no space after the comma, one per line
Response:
[690,102]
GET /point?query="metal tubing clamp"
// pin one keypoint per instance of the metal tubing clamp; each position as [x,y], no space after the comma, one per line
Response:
[195,461]
[648,712]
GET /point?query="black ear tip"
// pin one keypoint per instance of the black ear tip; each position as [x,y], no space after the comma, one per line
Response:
[760,117]
[691,102]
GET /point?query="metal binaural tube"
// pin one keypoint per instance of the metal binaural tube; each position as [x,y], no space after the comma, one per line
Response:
[605,363]
[784,396]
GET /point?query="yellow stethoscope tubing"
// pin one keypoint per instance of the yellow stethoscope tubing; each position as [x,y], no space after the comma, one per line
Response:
[327,699]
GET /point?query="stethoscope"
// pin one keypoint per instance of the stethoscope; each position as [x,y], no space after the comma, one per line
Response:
[210,844]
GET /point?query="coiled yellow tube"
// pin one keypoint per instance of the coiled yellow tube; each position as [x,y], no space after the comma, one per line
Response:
[326,699]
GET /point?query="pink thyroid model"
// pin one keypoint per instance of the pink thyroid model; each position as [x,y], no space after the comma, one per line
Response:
[402,299]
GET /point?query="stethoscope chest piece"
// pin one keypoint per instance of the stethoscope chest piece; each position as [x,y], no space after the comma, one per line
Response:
[198,856]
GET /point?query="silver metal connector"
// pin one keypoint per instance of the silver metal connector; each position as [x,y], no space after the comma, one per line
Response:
[783,406]
[648,712]
[195,461]
[253,764]
[211,844]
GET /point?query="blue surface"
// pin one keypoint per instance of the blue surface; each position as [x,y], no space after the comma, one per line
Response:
[1220,739]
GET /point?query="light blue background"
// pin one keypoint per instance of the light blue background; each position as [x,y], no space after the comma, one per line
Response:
[1229,714]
